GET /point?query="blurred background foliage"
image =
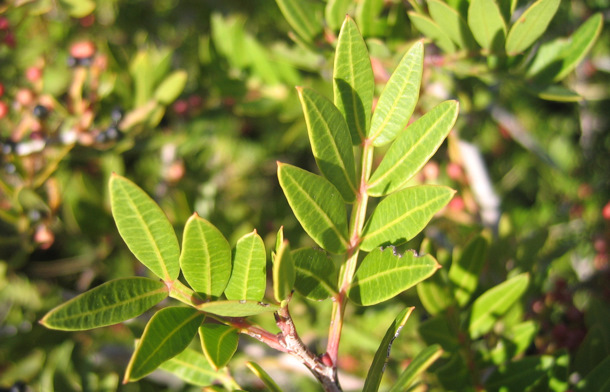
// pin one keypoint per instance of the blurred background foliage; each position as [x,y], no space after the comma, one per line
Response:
[194,101]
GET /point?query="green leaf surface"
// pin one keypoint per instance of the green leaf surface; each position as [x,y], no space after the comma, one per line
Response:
[412,149]
[263,376]
[368,17]
[380,360]
[330,142]
[438,330]
[418,365]
[433,31]
[315,274]
[219,343]
[241,308]
[598,379]
[192,367]
[167,333]
[487,25]
[353,81]
[398,98]
[248,279]
[302,16]
[531,25]
[383,275]
[283,273]
[434,293]
[205,258]
[402,215]
[317,205]
[335,11]
[452,23]
[78,8]
[520,374]
[171,87]
[514,342]
[493,303]
[465,269]
[144,228]
[553,92]
[106,304]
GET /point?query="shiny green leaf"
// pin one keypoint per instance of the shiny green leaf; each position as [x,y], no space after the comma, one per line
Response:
[205,258]
[302,16]
[353,82]
[219,343]
[106,304]
[192,367]
[283,273]
[452,23]
[487,25]
[384,274]
[330,142]
[412,149]
[263,376]
[317,205]
[167,333]
[398,99]
[241,308]
[422,361]
[433,31]
[171,87]
[144,228]
[530,26]
[402,215]
[380,360]
[248,279]
[315,274]
[465,269]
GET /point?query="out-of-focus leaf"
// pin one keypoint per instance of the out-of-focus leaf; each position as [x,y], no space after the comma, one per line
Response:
[167,333]
[283,273]
[78,8]
[335,12]
[315,274]
[519,374]
[598,379]
[417,366]
[205,258]
[241,308]
[219,343]
[248,279]
[554,92]
[412,149]
[384,274]
[487,25]
[402,215]
[452,23]
[318,206]
[398,99]
[433,31]
[530,25]
[437,330]
[465,270]
[434,293]
[192,367]
[594,348]
[514,342]
[302,16]
[171,87]
[263,376]
[107,304]
[367,15]
[144,228]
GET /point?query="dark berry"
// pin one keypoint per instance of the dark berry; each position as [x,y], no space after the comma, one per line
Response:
[116,115]
[40,111]
[35,215]
[8,147]
[112,133]
[71,62]
[85,61]
[101,137]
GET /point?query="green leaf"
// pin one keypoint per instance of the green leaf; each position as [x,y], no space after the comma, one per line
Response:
[315,274]
[433,31]
[438,330]
[302,16]
[263,376]
[380,360]
[368,17]
[283,273]
[487,24]
[249,278]
[78,8]
[593,349]
[144,228]
[493,303]
[452,23]
[434,293]
[422,361]
[335,11]
[317,205]
[241,308]
[167,333]
[106,304]
[413,148]
[402,215]
[530,26]
[192,367]
[383,275]
[398,99]
[514,342]
[553,92]
[171,87]
[598,379]
[465,269]
[520,374]
[353,81]
[205,258]
[330,142]
[219,343]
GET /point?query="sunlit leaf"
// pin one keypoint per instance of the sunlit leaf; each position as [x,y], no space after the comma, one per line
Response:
[106,304]
[219,343]
[487,25]
[335,11]
[434,293]
[520,374]
[241,308]
[465,269]
[171,87]
[302,17]
[417,366]
[531,25]
[248,279]
[263,376]
[433,31]
[192,367]
[283,273]
[514,342]
[144,228]
[452,23]
[315,274]
[553,92]
[368,17]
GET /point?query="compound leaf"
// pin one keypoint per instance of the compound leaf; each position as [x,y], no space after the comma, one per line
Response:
[249,278]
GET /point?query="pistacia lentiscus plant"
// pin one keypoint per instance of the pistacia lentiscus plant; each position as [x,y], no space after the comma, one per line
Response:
[223,287]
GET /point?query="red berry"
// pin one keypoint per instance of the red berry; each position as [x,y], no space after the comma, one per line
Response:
[606,211]
[33,74]
[457,204]
[1,90]
[454,171]
[82,50]
[4,24]
[3,109]
[180,107]
[25,97]
[431,171]
[9,40]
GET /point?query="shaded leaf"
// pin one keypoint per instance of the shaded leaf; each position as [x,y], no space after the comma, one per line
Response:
[402,215]
[433,31]
[598,379]
[302,16]
[422,361]
[167,333]
[514,342]
[144,228]
[206,257]
[438,330]
[263,376]
[452,23]
[520,374]
[219,343]
[330,142]
[192,367]
[283,273]
[353,82]
[241,308]
[412,149]
[383,275]
[398,99]
[380,360]
[317,205]
[368,17]
[553,92]
[531,25]
[434,293]
[248,279]
[106,304]
[171,87]
[465,269]
[315,274]
[487,25]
